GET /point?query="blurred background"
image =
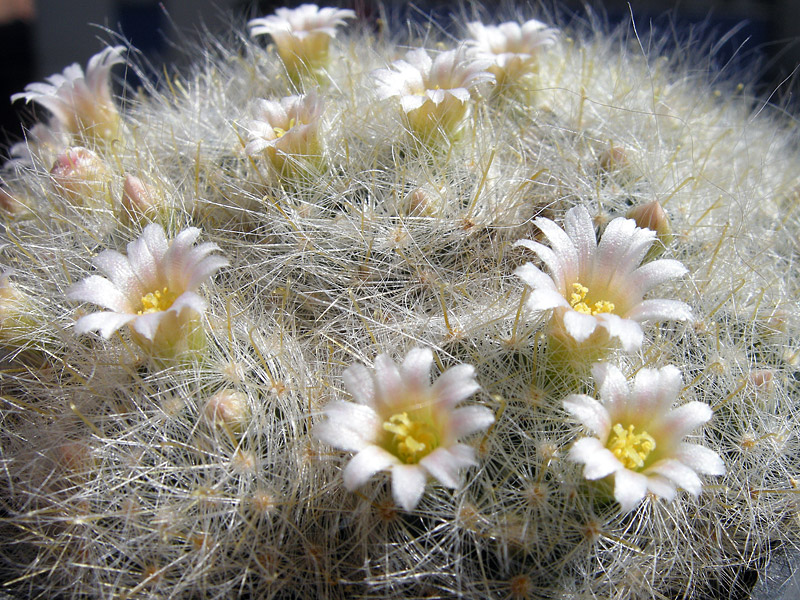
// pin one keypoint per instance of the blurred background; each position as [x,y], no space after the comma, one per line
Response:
[41,37]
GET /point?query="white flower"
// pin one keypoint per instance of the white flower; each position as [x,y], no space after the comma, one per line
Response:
[512,48]
[152,289]
[80,103]
[286,128]
[601,284]
[404,424]
[301,34]
[639,436]
[433,92]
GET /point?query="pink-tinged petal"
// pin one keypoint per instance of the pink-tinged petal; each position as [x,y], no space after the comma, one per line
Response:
[408,484]
[553,261]
[419,59]
[590,413]
[205,270]
[365,464]
[654,273]
[679,473]
[469,419]
[153,236]
[359,383]
[454,385]
[661,487]
[579,325]
[612,388]
[147,325]
[620,250]
[105,323]
[189,301]
[628,332]
[578,226]
[544,299]
[562,246]
[416,367]
[116,267]
[388,384]
[598,460]
[100,291]
[682,420]
[349,426]
[700,459]
[629,489]
[660,310]
[655,390]
[443,466]
[144,264]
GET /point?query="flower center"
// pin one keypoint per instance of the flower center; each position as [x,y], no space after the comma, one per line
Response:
[157,301]
[279,133]
[577,300]
[632,449]
[412,439]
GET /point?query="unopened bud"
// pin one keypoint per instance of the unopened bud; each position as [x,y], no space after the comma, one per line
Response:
[139,200]
[227,408]
[652,216]
[80,176]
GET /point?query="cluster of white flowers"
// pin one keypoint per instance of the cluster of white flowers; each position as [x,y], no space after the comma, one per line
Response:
[575,334]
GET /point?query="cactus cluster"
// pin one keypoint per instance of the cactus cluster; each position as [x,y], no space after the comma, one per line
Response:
[335,313]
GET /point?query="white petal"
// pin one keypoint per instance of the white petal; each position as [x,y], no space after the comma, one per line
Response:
[365,464]
[100,291]
[562,246]
[443,466]
[679,473]
[188,301]
[590,413]
[682,420]
[411,102]
[599,461]
[651,274]
[205,269]
[146,325]
[578,226]
[416,367]
[629,489]
[580,326]
[469,419]
[553,261]
[660,310]
[389,386]
[661,486]
[408,483]
[349,426]
[116,267]
[612,388]
[105,323]
[455,384]
[656,390]
[700,459]
[544,299]
[627,331]
[359,383]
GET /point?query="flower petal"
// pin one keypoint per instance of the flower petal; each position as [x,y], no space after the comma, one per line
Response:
[349,426]
[629,489]
[365,464]
[359,383]
[700,459]
[682,420]
[105,323]
[454,385]
[590,413]
[578,226]
[469,419]
[679,473]
[660,310]
[416,367]
[579,325]
[599,461]
[408,484]
[100,291]
[661,486]
[444,466]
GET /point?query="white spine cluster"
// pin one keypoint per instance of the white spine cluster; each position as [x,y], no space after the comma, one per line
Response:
[358,385]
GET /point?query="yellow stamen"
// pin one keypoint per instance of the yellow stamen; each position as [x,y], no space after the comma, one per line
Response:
[577,301]
[157,301]
[632,449]
[279,132]
[412,438]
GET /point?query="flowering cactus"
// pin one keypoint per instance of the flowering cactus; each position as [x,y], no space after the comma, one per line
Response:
[200,397]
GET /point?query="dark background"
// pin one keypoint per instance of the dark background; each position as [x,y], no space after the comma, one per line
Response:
[758,39]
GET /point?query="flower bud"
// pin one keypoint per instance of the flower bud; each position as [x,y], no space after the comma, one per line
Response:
[652,216]
[80,176]
[140,201]
[227,408]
